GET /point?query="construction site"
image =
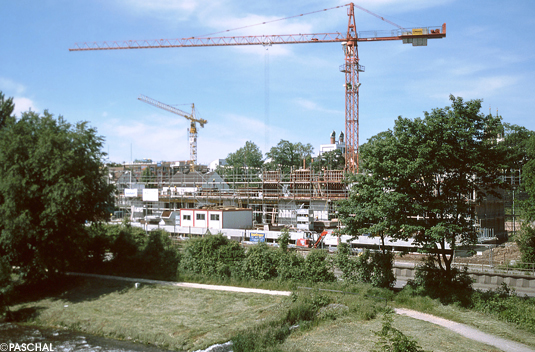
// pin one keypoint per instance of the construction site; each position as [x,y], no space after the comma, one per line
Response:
[192,199]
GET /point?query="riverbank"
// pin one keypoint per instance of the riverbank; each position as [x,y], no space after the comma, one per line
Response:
[182,318]
[163,316]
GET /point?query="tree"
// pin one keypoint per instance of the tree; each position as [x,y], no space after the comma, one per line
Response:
[6,110]
[373,208]
[247,157]
[526,237]
[516,145]
[528,172]
[429,167]
[51,183]
[287,155]
[332,160]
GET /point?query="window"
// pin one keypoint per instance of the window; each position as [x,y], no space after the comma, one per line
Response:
[201,216]
[186,217]
[214,217]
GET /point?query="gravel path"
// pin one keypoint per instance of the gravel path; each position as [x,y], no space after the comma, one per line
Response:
[467,331]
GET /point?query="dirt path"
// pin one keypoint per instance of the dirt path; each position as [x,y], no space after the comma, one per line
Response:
[467,331]
[187,284]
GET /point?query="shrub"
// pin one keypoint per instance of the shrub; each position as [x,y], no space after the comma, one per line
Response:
[525,239]
[260,262]
[370,267]
[393,340]
[160,257]
[6,285]
[213,256]
[290,266]
[504,304]
[317,268]
[448,287]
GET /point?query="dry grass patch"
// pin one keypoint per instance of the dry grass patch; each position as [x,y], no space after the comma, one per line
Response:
[349,334]
[169,317]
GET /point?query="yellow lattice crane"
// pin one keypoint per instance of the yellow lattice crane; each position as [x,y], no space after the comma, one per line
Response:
[193,126]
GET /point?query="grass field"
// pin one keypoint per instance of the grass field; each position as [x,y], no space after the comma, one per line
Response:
[191,319]
[169,317]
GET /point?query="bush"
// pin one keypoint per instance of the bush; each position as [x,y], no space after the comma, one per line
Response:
[159,257]
[260,262]
[290,267]
[525,239]
[213,256]
[369,267]
[317,268]
[504,304]
[393,340]
[6,284]
[448,287]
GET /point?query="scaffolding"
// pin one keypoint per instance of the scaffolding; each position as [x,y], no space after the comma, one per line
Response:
[274,196]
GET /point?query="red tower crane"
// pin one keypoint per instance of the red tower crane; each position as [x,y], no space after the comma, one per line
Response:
[351,67]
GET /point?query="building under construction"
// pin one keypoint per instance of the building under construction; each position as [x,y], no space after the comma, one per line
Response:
[273,196]
[302,199]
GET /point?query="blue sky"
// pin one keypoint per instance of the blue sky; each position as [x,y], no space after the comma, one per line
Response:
[488,54]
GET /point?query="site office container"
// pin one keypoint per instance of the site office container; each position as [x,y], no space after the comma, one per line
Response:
[217,218]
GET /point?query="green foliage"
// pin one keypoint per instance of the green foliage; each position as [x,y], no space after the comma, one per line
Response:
[516,143]
[332,160]
[264,338]
[317,267]
[287,155]
[249,156]
[525,239]
[418,175]
[394,340]
[6,284]
[51,183]
[528,172]
[375,268]
[260,262]
[127,250]
[302,313]
[449,287]
[284,240]
[213,256]
[160,257]
[504,304]
[6,111]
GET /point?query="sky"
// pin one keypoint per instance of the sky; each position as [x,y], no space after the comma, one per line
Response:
[255,93]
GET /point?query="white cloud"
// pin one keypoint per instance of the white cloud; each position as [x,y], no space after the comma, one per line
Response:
[9,86]
[401,6]
[177,9]
[22,105]
[311,105]
[486,86]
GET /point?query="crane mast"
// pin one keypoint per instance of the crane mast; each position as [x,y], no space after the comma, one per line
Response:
[191,117]
[351,67]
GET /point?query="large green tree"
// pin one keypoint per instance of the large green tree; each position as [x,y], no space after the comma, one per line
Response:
[516,145]
[287,155]
[248,158]
[51,183]
[432,171]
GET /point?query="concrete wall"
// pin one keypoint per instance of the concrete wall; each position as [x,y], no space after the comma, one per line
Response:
[522,284]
